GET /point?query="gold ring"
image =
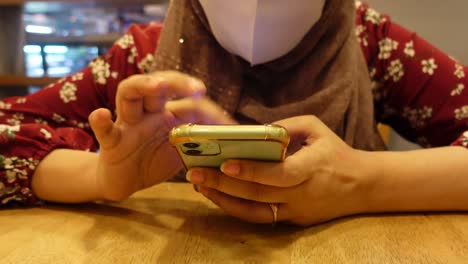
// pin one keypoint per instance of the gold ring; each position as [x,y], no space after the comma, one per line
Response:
[274,209]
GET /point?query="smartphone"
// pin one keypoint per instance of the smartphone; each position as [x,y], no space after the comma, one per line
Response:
[211,145]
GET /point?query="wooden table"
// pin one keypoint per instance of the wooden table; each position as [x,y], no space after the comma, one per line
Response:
[170,223]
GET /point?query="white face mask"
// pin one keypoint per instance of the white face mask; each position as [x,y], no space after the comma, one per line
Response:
[261,30]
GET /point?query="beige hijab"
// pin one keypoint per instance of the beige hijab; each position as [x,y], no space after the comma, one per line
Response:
[325,75]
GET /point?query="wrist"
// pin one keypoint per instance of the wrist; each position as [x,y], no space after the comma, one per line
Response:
[109,189]
[113,183]
[368,171]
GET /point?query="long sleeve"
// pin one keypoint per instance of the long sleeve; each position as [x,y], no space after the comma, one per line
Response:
[56,116]
[419,91]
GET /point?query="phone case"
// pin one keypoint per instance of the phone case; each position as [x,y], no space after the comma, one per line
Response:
[211,145]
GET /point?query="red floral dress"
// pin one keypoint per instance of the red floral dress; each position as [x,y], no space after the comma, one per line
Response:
[419,91]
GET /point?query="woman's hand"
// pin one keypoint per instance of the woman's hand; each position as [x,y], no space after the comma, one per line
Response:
[323,180]
[134,150]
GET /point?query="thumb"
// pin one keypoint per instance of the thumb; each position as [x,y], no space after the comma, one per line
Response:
[104,129]
[304,127]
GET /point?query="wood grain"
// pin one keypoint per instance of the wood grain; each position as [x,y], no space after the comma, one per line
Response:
[170,223]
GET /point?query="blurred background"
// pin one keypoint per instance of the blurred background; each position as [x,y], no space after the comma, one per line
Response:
[44,40]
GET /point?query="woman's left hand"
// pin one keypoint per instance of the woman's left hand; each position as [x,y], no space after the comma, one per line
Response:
[324,179]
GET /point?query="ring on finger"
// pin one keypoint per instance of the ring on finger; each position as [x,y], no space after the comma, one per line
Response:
[274,208]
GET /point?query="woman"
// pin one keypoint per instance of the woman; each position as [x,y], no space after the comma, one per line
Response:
[300,67]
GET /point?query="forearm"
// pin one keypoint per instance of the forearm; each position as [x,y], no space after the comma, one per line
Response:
[67,176]
[421,180]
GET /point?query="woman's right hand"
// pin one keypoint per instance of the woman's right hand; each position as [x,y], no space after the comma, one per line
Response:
[134,150]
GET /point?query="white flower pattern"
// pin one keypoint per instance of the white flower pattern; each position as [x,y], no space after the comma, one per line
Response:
[80,124]
[6,128]
[101,71]
[58,118]
[9,132]
[461,113]
[68,92]
[133,55]
[77,77]
[418,117]
[40,121]
[361,39]
[125,41]
[374,17]
[147,64]
[4,105]
[21,100]
[386,46]
[46,133]
[458,90]
[396,70]
[459,72]
[409,49]
[16,119]
[429,66]
[16,169]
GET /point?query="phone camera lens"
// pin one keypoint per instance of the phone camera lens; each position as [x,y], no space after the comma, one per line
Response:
[191,145]
[193,152]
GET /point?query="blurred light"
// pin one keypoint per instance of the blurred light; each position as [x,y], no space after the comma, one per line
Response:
[42,7]
[34,60]
[39,29]
[35,72]
[55,49]
[58,71]
[32,49]
[94,50]
[155,9]
[55,58]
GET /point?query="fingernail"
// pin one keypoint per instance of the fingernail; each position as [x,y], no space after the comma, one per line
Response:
[195,177]
[231,168]
[197,85]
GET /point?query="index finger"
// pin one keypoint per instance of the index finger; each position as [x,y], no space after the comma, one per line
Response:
[199,111]
[149,93]
[280,174]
